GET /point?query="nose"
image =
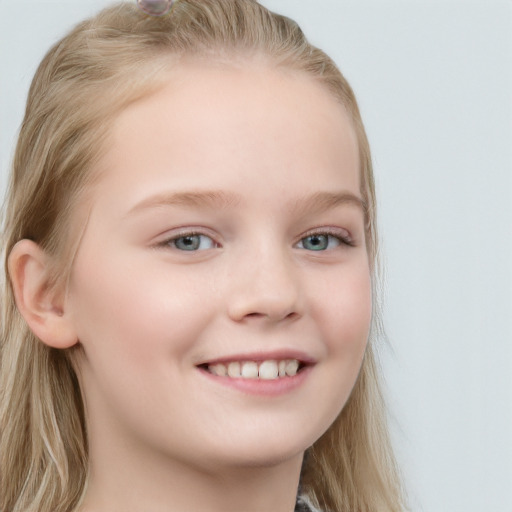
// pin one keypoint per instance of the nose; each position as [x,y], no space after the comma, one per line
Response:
[265,286]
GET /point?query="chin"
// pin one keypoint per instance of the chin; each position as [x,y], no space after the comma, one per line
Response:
[270,450]
[259,460]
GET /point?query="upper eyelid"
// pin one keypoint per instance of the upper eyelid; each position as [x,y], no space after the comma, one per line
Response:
[338,232]
[173,233]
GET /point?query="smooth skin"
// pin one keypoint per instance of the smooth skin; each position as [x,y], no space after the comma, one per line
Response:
[226,221]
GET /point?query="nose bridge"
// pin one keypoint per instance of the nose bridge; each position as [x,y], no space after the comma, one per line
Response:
[265,283]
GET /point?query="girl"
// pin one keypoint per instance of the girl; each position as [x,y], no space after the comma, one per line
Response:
[190,249]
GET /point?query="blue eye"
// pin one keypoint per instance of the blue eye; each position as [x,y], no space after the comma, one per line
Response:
[192,242]
[320,242]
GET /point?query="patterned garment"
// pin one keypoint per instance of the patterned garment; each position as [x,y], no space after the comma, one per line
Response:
[304,505]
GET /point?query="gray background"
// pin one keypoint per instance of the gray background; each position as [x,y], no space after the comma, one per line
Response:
[434,82]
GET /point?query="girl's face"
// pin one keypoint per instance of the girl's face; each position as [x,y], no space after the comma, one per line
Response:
[226,235]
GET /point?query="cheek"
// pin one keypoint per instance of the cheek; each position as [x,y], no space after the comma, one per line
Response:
[135,310]
[343,312]
[345,309]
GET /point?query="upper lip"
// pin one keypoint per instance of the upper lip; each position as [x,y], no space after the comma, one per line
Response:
[257,356]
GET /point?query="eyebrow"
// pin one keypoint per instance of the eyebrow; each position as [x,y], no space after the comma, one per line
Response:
[323,201]
[218,199]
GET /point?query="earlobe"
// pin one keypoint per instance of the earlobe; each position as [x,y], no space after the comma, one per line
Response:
[42,307]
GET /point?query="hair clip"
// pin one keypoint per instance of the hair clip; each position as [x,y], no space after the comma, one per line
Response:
[155,7]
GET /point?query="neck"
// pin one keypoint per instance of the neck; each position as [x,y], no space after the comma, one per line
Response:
[141,484]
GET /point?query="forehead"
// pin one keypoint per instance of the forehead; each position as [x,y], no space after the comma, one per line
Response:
[208,119]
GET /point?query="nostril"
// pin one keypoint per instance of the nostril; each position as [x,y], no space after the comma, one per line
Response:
[263,304]
[289,316]
[255,315]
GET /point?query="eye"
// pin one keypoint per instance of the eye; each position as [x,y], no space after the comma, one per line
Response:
[191,242]
[323,241]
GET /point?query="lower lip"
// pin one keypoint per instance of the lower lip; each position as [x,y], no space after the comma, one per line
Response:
[263,387]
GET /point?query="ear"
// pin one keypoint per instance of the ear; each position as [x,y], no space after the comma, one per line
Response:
[42,307]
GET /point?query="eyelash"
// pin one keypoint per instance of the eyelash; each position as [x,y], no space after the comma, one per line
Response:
[171,242]
[330,233]
[343,239]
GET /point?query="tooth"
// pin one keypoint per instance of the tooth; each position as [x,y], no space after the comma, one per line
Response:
[291,367]
[268,370]
[282,368]
[249,370]
[218,369]
[234,369]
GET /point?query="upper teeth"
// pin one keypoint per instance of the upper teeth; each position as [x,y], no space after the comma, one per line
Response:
[267,370]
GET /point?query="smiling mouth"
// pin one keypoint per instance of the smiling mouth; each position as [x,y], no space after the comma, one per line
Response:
[261,370]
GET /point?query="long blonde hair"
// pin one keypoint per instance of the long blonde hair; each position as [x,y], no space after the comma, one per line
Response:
[100,67]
